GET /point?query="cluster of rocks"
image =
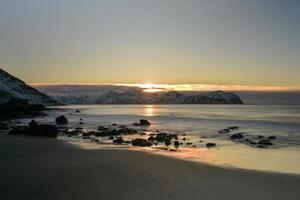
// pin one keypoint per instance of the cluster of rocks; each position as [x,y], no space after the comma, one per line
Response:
[113,133]
[259,142]
[35,129]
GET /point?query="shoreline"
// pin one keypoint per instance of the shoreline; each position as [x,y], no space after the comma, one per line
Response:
[218,157]
[44,168]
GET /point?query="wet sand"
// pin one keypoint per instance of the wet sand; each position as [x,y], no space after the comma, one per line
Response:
[47,168]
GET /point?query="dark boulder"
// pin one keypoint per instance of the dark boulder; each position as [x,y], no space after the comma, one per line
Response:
[140,142]
[237,136]
[210,145]
[61,120]
[151,139]
[102,128]
[176,144]
[33,123]
[265,142]
[111,138]
[127,131]
[233,127]
[118,140]
[260,137]
[272,137]
[145,122]
[43,130]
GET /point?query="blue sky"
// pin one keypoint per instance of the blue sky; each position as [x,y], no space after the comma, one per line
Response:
[228,42]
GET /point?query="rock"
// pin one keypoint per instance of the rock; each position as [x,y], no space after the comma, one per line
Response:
[145,122]
[127,131]
[226,130]
[172,150]
[261,146]
[189,143]
[210,145]
[151,139]
[111,138]
[168,141]
[176,144]
[77,132]
[43,130]
[118,140]
[272,137]
[113,132]
[77,111]
[140,142]
[237,136]
[260,137]
[102,128]
[33,123]
[265,142]
[166,138]
[253,143]
[80,123]
[114,124]
[78,128]
[184,139]
[80,119]
[233,127]
[61,120]
[3,126]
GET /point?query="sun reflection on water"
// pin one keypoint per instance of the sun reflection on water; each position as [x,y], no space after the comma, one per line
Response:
[149,110]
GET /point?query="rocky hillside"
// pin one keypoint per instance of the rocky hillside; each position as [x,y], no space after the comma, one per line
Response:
[13,89]
[140,97]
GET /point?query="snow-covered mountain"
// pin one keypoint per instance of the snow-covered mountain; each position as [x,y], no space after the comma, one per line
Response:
[139,97]
[12,88]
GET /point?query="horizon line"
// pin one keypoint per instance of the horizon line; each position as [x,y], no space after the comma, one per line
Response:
[183,87]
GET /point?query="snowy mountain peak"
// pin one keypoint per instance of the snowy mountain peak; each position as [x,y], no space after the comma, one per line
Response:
[14,88]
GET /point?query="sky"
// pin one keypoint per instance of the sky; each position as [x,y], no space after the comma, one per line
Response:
[214,42]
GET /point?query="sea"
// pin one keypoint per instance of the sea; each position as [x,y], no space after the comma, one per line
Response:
[197,125]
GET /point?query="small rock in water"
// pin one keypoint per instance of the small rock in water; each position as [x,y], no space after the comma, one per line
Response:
[233,127]
[237,136]
[265,142]
[111,138]
[210,145]
[119,140]
[184,139]
[61,120]
[151,139]
[176,144]
[272,137]
[102,128]
[260,137]
[140,142]
[33,123]
[77,111]
[145,122]
[189,143]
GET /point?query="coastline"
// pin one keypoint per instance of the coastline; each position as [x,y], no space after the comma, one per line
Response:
[43,168]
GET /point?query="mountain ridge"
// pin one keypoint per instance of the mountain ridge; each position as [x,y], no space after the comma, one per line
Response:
[13,89]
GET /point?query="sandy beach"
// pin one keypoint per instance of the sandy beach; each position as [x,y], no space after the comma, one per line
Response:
[45,168]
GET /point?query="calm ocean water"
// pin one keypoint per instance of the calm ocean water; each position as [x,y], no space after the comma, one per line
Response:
[200,124]
[282,121]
